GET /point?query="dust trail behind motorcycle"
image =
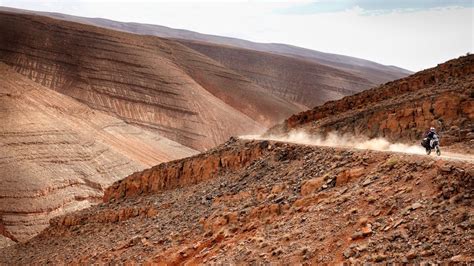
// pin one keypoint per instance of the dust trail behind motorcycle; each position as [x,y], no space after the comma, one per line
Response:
[349,141]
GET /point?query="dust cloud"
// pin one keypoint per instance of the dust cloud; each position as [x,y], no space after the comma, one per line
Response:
[337,140]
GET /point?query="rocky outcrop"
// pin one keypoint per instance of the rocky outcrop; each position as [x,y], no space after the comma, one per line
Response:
[271,202]
[402,110]
[106,216]
[185,172]
[155,83]
[58,155]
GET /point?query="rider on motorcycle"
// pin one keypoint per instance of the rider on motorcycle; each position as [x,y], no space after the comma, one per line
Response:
[431,135]
[431,141]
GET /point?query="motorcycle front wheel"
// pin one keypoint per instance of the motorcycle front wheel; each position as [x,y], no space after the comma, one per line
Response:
[428,151]
[438,151]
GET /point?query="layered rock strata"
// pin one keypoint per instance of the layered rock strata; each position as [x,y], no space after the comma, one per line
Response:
[155,83]
[302,81]
[58,155]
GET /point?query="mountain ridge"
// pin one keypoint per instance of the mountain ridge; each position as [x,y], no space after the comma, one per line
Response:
[333,60]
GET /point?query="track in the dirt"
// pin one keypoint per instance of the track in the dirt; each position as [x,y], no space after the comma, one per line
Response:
[406,149]
[456,156]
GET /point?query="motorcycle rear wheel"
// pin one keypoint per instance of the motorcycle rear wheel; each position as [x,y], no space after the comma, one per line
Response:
[438,151]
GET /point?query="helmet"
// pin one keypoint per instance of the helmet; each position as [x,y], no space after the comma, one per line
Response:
[432,129]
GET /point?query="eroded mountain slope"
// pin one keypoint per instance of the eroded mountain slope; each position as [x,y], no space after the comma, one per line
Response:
[261,202]
[58,155]
[152,82]
[402,110]
[301,81]
[365,69]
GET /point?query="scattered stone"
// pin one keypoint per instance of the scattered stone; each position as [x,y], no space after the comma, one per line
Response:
[277,252]
[362,248]
[446,168]
[380,257]
[311,186]
[411,254]
[376,213]
[348,252]
[367,182]
[357,235]
[461,258]
[415,206]
[397,223]
[371,199]
[367,230]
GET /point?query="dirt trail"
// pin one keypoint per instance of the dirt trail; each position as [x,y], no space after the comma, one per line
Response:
[457,156]
[360,143]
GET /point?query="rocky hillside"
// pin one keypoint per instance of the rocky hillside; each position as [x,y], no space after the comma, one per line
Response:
[261,202]
[155,83]
[58,155]
[404,109]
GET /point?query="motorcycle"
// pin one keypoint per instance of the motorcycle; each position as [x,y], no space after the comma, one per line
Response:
[434,145]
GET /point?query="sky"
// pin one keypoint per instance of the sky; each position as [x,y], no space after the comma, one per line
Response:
[412,34]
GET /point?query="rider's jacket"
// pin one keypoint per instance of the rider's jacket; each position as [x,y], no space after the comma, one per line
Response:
[431,135]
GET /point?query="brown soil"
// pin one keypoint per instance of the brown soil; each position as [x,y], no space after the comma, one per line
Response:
[136,101]
[240,202]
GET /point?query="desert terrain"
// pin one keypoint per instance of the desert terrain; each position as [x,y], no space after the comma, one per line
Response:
[260,201]
[130,143]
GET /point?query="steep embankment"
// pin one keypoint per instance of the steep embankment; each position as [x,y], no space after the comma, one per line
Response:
[299,80]
[156,83]
[268,201]
[58,155]
[402,110]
